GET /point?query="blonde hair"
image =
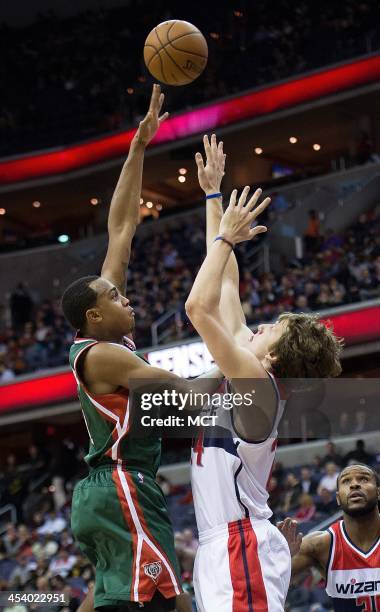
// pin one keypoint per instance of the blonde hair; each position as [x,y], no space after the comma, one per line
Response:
[306,349]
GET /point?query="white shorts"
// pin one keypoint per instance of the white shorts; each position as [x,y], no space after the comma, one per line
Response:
[242,566]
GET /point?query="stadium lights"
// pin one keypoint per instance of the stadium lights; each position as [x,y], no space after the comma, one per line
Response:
[316,147]
[293,139]
[94,201]
[182,178]
[130,90]
[158,206]
[2,211]
[63,238]
[258,150]
[149,204]
[182,170]
[141,201]
[36,204]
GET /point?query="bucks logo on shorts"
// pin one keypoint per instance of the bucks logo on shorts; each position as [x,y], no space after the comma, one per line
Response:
[153,570]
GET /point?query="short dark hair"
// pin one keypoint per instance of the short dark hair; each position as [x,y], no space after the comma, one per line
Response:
[77,299]
[374,473]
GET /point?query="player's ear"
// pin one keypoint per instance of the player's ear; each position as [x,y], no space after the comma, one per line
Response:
[271,358]
[338,499]
[93,315]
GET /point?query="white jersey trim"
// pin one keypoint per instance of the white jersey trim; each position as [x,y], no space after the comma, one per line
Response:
[355,548]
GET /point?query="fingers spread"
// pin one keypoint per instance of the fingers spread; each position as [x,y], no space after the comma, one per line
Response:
[257,211]
[259,229]
[155,97]
[233,198]
[199,161]
[207,147]
[243,196]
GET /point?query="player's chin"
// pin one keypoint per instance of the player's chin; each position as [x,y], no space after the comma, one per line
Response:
[131,322]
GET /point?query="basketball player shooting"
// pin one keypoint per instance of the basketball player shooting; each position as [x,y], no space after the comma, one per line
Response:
[119,516]
[243,560]
[348,553]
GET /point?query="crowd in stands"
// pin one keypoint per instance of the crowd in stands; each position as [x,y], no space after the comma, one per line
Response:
[37,551]
[335,270]
[68,79]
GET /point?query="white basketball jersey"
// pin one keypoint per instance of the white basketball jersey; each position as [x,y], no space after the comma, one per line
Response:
[229,476]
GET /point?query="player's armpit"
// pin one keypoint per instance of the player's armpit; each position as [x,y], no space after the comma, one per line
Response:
[313,553]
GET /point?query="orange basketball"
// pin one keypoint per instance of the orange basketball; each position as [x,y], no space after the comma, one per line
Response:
[175,52]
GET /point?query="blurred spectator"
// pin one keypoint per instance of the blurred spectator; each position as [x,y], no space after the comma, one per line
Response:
[53,524]
[308,483]
[21,305]
[328,481]
[359,455]
[326,502]
[312,234]
[292,492]
[332,455]
[306,511]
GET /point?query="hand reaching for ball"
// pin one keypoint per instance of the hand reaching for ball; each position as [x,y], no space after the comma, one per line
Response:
[149,125]
[210,175]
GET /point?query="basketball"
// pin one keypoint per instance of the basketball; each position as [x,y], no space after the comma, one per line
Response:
[175,52]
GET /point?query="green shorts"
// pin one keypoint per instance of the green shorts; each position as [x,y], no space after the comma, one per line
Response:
[120,521]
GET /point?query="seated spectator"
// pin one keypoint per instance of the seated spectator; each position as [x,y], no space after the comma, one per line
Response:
[292,492]
[326,502]
[62,564]
[53,524]
[308,482]
[332,455]
[328,481]
[306,511]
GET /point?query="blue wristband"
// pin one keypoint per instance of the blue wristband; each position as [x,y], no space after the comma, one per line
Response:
[213,195]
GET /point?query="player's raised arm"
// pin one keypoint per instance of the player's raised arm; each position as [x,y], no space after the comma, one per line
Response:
[124,210]
[210,177]
[203,303]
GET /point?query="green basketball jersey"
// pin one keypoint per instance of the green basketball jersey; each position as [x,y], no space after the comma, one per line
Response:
[108,422]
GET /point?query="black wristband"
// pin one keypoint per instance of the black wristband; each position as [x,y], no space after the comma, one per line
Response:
[225,240]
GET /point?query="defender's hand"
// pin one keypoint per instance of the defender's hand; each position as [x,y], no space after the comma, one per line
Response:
[236,222]
[288,528]
[210,176]
[149,125]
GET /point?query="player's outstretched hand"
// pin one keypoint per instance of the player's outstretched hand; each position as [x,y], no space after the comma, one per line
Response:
[236,223]
[210,176]
[149,125]
[288,528]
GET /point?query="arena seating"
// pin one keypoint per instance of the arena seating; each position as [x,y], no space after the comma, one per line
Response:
[37,551]
[336,269]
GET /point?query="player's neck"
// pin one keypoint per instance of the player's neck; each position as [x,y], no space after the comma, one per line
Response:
[103,336]
[363,530]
